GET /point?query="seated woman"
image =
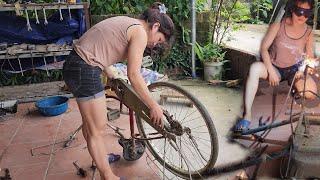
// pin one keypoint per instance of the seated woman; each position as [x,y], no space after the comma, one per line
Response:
[282,49]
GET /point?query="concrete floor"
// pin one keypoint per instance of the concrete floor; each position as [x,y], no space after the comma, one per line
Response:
[28,129]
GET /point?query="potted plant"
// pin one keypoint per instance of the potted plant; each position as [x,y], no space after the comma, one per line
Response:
[212,57]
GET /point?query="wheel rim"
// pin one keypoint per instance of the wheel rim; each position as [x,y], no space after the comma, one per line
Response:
[193,152]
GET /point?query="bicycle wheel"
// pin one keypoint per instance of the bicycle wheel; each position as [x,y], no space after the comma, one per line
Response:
[196,147]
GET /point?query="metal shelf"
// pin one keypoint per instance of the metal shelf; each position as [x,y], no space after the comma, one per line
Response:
[31,6]
[33,54]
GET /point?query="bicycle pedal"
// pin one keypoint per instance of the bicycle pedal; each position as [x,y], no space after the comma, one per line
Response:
[113,114]
[130,152]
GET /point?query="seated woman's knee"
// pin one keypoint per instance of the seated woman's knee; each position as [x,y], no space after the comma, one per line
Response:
[256,68]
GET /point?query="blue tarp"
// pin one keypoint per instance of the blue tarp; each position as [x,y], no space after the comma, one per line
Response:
[13,30]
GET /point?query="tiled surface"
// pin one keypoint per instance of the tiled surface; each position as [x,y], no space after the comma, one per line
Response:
[28,129]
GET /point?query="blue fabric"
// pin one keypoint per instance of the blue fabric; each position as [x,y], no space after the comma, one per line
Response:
[243,124]
[13,30]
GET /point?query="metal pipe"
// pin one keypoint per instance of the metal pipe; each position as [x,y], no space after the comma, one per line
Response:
[258,138]
[270,126]
[193,38]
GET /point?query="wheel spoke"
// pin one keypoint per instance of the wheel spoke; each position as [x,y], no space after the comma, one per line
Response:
[194,150]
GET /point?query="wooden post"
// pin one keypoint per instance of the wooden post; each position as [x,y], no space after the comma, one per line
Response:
[315,18]
[87,15]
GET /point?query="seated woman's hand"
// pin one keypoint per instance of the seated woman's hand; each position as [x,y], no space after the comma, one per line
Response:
[299,75]
[273,77]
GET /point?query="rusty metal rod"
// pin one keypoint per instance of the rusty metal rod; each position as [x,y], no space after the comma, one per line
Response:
[258,138]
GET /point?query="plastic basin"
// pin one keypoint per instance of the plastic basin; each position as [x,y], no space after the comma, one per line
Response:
[52,106]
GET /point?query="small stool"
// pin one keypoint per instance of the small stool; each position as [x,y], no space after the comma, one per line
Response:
[174,95]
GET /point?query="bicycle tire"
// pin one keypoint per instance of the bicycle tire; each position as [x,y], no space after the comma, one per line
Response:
[173,168]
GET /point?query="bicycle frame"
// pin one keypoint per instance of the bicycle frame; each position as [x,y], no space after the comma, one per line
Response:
[128,97]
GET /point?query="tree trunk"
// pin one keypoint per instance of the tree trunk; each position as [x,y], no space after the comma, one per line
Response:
[217,19]
[209,3]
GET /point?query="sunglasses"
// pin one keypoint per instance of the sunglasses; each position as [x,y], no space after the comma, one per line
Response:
[302,12]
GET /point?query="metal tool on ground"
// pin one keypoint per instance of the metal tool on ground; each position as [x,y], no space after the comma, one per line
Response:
[72,137]
[80,171]
[113,114]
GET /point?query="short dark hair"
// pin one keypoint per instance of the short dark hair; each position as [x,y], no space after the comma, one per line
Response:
[152,15]
[291,4]
[310,2]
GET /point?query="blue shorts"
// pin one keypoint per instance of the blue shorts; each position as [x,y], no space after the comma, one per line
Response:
[82,79]
[288,73]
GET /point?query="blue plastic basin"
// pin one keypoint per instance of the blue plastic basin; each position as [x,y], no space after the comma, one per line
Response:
[52,106]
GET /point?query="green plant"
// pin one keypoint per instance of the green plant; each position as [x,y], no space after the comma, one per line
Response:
[201,5]
[211,52]
[37,76]
[227,13]
[260,10]
[177,59]
[179,11]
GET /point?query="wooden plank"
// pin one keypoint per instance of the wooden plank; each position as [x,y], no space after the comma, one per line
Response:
[174,95]
[36,54]
[10,7]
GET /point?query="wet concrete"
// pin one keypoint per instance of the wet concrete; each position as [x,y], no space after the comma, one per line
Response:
[224,105]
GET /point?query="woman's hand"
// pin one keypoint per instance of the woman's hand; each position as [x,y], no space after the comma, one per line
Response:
[273,77]
[156,114]
[299,74]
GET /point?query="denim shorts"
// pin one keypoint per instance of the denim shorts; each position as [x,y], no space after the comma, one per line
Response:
[288,73]
[82,79]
